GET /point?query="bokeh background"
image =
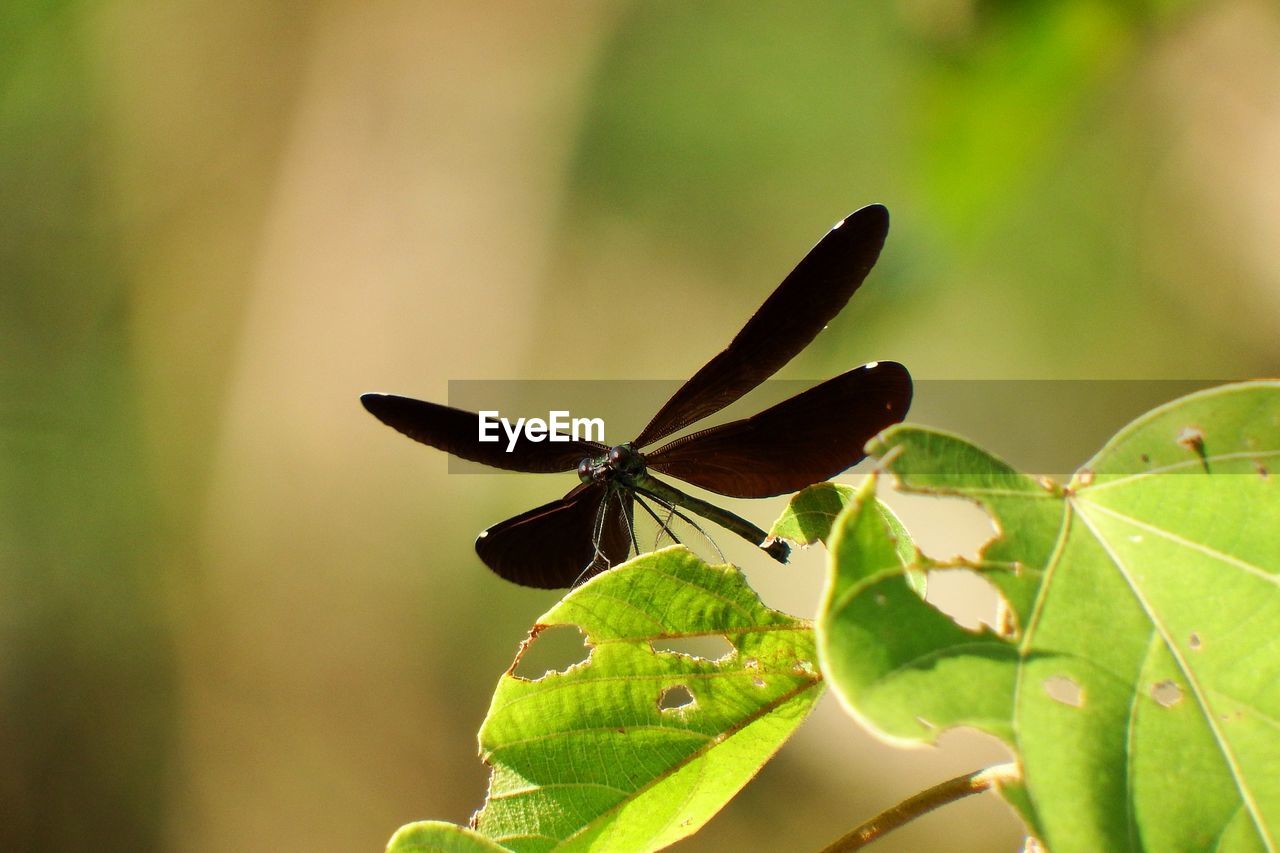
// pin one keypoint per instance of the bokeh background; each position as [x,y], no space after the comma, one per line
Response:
[238,614]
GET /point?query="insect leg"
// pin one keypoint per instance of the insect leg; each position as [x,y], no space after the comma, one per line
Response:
[663,526]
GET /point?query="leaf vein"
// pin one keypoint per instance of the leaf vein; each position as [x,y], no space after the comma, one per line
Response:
[1196,462]
[1196,688]
[1184,542]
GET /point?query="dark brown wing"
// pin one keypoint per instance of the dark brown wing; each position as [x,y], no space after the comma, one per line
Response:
[457,432]
[555,545]
[790,318]
[804,440]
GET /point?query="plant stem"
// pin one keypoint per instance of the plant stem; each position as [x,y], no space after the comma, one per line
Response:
[921,804]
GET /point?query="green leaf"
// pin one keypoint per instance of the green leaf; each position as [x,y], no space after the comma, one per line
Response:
[811,512]
[1139,683]
[432,835]
[892,658]
[587,759]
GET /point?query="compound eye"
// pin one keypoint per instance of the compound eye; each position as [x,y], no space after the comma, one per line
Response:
[617,455]
[584,470]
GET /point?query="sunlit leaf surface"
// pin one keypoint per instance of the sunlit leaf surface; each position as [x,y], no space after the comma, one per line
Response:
[1139,680]
[638,746]
[811,512]
[434,835]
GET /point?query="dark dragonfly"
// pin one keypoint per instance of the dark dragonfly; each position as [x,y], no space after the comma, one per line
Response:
[803,440]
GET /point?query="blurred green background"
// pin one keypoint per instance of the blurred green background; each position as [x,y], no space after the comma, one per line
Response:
[236,613]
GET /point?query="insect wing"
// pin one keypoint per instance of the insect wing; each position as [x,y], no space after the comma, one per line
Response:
[659,524]
[789,319]
[561,543]
[458,432]
[803,440]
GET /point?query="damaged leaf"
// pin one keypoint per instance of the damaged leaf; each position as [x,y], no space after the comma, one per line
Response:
[434,836]
[1139,684]
[811,512]
[636,748]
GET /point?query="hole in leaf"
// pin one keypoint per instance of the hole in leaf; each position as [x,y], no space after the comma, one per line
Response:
[758,681]
[1167,693]
[550,649]
[1064,690]
[675,698]
[950,527]
[706,646]
[1194,642]
[967,597]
